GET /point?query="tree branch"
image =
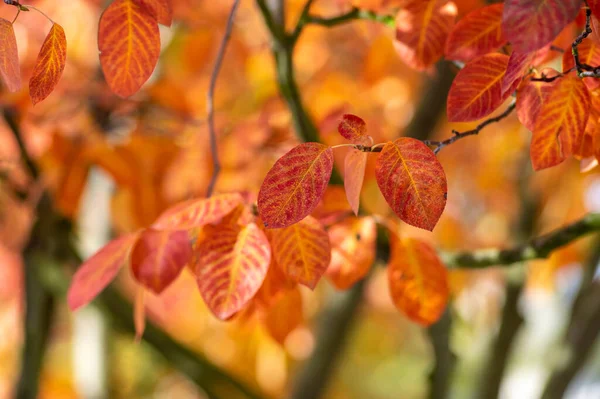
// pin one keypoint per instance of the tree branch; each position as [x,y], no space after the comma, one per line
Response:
[440,377]
[539,247]
[210,101]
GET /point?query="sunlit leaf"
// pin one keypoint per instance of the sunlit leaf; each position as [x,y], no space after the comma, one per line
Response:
[231,264]
[158,257]
[561,122]
[302,251]
[422,27]
[352,251]
[418,280]
[197,213]
[9,57]
[412,181]
[353,128]
[49,65]
[477,89]
[129,44]
[295,184]
[354,174]
[531,24]
[98,271]
[478,33]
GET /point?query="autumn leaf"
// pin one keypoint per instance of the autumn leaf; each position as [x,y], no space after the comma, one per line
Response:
[353,128]
[284,315]
[162,10]
[530,97]
[418,280]
[516,68]
[352,251]
[9,57]
[354,174]
[129,44]
[561,122]
[49,65]
[531,24]
[477,89]
[589,54]
[478,33]
[98,271]
[295,184]
[274,284]
[158,257]
[231,264]
[412,182]
[198,212]
[302,251]
[422,27]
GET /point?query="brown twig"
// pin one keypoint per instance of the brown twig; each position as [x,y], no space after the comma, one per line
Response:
[210,99]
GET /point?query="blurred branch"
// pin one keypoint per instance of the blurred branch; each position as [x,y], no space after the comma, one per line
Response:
[210,100]
[582,331]
[445,360]
[540,247]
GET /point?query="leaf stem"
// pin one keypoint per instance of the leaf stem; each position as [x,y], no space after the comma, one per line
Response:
[26,7]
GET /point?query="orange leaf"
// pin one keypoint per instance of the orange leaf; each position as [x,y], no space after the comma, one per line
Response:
[589,53]
[49,65]
[412,182]
[274,284]
[418,280]
[516,68]
[530,97]
[531,24]
[561,122]
[302,251]
[352,251]
[197,213]
[129,44]
[9,57]
[422,27]
[231,264]
[353,128]
[158,257]
[98,271]
[477,89]
[295,184]
[478,33]
[162,10]
[354,174]
[284,315]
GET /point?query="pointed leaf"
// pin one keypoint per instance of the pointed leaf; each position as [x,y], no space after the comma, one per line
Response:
[231,265]
[49,65]
[353,128]
[418,280]
[129,44]
[158,257]
[162,10]
[478,33]
[531,24]
[9,57]
[561,122]
[352,251]
[295,184]
[197,213]
[354,174]
[477,89]
[98,271]
[422,27]
[302,251]
[412,182]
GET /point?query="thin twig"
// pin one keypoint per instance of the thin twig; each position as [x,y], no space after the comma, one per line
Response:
[210,99]
[586,32]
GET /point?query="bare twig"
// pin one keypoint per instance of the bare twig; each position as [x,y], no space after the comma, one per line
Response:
[210,99]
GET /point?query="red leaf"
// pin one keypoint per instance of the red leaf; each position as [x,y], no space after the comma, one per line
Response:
[530,97]
[531,24]
[162,10]
[231,264]
[9,57]
[412,182]
[49,65]
[295,184]
[418,280]
[422,27]
[302,251]
[354,174]
[478,33]
[477,89]
[98,271]
[353,128]
[516,68]
[129,44]
[158,257]
[560,125]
